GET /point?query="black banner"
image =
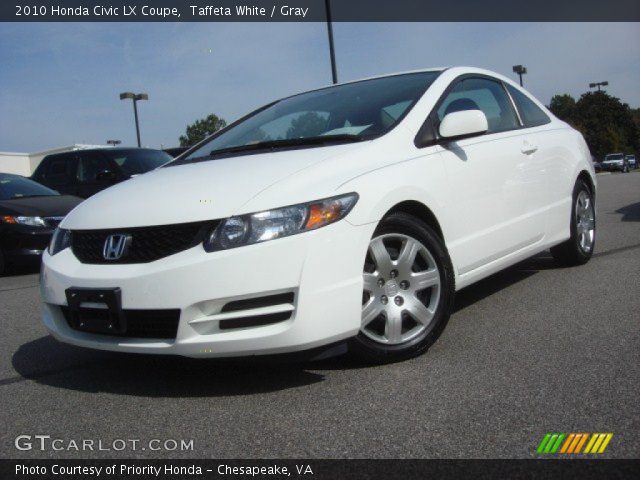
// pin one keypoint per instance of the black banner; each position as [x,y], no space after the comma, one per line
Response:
[315,11]
[319,469]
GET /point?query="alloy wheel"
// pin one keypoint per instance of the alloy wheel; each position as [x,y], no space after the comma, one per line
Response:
[402,288]
[585,221]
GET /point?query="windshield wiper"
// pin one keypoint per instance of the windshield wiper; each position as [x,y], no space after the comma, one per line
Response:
[273,144]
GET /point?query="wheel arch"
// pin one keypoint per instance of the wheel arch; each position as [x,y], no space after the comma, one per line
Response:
[588,179]
[418,210]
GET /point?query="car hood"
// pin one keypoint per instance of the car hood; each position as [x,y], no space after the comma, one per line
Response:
[50,206]
[614,161]
[195,192]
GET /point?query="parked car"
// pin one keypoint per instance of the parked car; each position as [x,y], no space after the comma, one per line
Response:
[631,160]
[86,172]
[175,151]
[29,214]
[344,217]
[615,162]
[596,164]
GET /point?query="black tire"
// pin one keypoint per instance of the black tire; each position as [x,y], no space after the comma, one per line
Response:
[371,351]
[570,252]
[3,265]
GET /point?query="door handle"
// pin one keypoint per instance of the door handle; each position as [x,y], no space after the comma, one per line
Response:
[528,148]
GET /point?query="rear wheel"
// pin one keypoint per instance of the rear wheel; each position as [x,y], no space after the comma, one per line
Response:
[3,265]
[579,248]
[408,291]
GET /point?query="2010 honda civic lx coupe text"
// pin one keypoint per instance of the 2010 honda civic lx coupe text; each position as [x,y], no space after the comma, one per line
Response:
[347,215]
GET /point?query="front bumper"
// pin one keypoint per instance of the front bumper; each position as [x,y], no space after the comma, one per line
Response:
[612,167]
[322,268]
[20,243]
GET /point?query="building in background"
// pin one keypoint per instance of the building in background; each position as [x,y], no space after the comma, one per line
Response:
[26,163]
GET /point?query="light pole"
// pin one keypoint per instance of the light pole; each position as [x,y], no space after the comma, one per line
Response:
[520,70]
[135,97]
[598,85]
[332,53]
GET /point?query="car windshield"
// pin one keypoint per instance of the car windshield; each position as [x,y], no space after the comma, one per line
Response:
[136,161]
[350,112]
[14,186]
[614,156]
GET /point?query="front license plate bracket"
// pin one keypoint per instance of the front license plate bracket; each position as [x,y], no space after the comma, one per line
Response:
[111,319]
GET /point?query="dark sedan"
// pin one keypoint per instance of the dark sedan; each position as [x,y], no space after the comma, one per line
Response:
[29,213]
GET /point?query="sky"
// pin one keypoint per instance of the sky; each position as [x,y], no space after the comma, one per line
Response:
[60,82]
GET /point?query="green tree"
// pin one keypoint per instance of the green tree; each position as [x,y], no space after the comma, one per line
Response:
[200,129]
[636,120]
[563,107]
[607,124]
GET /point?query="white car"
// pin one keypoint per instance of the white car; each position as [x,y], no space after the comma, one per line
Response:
[347,215]
[615,161]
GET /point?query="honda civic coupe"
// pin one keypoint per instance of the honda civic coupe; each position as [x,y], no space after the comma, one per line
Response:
[341,218]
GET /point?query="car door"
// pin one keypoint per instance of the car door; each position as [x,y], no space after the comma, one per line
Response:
[58,173]
[548,166]
[92,167]
[490,176]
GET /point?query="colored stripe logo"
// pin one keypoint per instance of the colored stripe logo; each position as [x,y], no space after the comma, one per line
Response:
[574,443]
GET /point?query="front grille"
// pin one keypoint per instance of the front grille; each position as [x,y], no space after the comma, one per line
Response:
[159,324]
[147,243]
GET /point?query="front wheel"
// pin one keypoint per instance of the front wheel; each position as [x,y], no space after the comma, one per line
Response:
[579,248]
[408,290]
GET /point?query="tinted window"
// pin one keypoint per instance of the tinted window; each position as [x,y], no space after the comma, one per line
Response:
[59,168]
[14,186]
[531,114]
[137,161]
[89,165]
[365,109]
[482,94]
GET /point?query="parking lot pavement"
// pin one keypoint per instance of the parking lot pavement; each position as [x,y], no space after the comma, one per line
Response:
[535,349]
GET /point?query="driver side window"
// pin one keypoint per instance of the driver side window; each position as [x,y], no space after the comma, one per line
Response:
[485,95]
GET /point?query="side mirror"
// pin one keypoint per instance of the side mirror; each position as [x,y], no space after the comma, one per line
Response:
[463,124]
[106,176]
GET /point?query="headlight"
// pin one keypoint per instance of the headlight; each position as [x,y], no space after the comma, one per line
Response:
[28,221]
[271,224]
[61,239]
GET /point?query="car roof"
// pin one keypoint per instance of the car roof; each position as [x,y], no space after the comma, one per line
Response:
[455,70]
[458,70]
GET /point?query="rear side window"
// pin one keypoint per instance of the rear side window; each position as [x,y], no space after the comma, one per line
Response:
[531,114]
[482,94]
